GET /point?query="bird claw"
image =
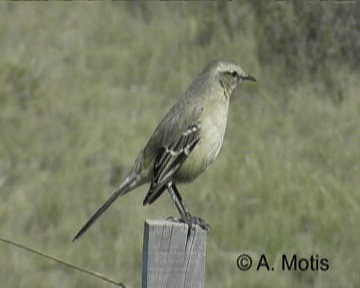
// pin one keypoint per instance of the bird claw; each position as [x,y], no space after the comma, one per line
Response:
[174,219]
[191,221]
[198,221]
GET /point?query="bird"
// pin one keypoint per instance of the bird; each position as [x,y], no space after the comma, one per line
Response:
[185,142]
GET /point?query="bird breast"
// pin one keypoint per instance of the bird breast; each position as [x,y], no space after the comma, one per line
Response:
[212,126]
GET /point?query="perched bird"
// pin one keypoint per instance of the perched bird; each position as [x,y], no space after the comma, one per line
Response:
[185,142]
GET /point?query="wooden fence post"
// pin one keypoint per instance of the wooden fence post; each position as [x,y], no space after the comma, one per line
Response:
[169,260]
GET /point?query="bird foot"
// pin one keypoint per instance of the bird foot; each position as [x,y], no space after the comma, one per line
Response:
[191,221]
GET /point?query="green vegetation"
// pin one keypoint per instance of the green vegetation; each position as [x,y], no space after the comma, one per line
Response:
[83,86]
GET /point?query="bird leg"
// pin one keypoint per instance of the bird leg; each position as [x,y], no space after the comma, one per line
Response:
[185,215]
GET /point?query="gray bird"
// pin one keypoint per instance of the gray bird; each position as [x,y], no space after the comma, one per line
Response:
[185,142]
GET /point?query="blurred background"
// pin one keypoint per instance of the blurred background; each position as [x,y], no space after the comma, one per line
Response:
[83,85]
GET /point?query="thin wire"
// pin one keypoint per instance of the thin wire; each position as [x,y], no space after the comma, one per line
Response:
[63,262]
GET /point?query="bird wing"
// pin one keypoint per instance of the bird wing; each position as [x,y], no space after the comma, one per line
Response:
[169,159]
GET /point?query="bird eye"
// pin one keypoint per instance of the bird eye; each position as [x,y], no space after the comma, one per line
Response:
[234,74]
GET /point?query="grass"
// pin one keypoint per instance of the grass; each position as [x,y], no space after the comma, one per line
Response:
[82,88]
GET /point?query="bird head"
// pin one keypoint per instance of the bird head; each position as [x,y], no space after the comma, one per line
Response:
[225,73]
[218,79]
[230,75]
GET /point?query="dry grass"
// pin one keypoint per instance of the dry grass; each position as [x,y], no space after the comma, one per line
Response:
[81,86]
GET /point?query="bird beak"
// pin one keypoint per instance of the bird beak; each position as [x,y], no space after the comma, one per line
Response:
[249,77]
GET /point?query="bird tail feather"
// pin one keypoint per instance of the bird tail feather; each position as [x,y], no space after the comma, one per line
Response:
[130,183]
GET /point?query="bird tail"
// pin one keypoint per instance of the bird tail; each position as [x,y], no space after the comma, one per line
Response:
[130,183]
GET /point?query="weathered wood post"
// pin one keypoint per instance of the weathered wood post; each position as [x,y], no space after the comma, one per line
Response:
[168,259]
